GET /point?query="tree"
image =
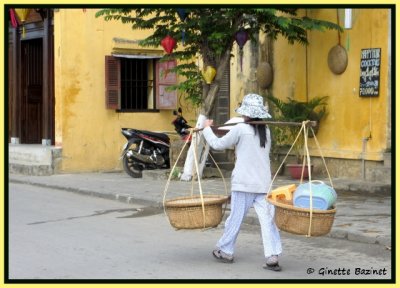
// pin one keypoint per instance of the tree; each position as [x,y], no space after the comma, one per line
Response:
[209,33]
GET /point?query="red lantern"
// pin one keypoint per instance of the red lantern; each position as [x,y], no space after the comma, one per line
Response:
[13,18]
[241,38]
[168,44]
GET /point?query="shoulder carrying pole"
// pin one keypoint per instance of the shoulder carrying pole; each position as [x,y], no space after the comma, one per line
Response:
[306,123]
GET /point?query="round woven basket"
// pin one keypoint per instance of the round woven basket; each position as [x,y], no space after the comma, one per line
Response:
[337,59]
[297,220]
[264,75]
[187,212]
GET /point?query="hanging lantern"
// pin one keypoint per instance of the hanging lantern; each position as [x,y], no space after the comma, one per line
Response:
[182,15]
[168,44]
[209,74]
[241,38]
[22,15]
[13,18]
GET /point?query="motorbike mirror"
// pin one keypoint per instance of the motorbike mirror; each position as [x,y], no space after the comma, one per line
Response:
[175,113]
[180,110]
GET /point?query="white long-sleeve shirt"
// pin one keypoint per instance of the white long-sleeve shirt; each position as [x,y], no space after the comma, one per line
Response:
[252,171]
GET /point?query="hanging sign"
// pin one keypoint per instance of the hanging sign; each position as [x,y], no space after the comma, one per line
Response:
[370,71]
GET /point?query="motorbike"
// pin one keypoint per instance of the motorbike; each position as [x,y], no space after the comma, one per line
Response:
[181,125]
[146,150]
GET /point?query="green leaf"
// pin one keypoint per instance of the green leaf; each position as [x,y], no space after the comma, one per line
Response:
[209,32]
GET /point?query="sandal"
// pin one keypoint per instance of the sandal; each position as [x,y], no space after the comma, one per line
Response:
[272,263]
[222,257]
[273,267]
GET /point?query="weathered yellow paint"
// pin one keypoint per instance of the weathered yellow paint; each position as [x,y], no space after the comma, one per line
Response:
[88,132]
[301,72]
[351,118]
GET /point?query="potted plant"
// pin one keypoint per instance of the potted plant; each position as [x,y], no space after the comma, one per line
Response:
[296,111]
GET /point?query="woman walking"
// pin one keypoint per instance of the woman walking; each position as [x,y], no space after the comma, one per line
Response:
[251,178]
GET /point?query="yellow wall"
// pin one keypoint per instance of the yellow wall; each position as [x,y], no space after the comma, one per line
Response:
[351,118]
[88,133]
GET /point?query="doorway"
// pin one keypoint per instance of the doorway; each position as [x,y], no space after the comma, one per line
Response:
[31,81]
[31,91]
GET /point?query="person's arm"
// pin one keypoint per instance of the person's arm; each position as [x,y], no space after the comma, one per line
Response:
[227,141]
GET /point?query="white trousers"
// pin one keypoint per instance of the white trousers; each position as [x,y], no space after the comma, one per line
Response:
[241,202]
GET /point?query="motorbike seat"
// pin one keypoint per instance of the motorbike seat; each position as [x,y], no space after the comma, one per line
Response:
[162,136]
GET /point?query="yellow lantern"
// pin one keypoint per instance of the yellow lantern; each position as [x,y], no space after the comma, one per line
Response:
[209,74]
[22,15]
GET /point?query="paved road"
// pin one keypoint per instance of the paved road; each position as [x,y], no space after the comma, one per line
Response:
[55,234]
[364,212]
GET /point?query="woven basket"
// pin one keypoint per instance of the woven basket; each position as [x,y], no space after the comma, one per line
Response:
[297,220]
[187,212]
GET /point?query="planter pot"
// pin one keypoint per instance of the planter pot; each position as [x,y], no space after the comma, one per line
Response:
[296,169]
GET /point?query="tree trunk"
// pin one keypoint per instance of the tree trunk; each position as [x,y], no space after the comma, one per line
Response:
[202,150]
[212,90]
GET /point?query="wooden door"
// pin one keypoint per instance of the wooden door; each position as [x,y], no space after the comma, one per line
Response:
[31,90]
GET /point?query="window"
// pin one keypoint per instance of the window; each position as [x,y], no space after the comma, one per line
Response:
[139,84]
[137,89]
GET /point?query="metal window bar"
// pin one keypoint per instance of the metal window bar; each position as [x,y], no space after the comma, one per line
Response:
[136,83]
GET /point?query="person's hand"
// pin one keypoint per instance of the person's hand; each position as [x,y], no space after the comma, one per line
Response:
[208,123]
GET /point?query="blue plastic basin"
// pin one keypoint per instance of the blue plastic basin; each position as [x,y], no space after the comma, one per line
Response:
[323,196]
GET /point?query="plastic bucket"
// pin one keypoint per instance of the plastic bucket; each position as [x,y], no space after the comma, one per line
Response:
[323,196]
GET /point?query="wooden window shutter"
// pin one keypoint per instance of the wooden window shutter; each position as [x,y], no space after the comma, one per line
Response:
[164,78]
[113,82]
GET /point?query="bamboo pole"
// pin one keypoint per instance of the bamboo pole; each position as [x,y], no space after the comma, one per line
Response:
[308,123]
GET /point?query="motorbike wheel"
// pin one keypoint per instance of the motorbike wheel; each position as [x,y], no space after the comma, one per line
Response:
[131,168]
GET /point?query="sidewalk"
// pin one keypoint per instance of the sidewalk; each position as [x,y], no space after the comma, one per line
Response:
[363,214]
